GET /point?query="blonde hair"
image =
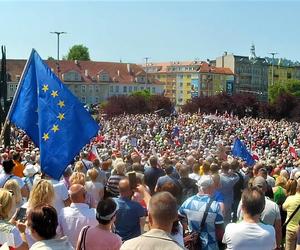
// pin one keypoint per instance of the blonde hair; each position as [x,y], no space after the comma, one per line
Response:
[280,181]
[78,166]
[42,192]
[13,185]
[77,178]
[120,167]
[93,174]
[6,203]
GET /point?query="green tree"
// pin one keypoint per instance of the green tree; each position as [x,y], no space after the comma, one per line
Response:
[78,52]
[290,86]
[143,93]
[50,58]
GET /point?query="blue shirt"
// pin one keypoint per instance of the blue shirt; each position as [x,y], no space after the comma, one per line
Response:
[218,196]
[164,179]
[193,209]
[151,175]
[128,218]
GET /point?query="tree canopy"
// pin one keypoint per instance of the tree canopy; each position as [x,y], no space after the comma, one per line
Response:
[78,52]
[291,87]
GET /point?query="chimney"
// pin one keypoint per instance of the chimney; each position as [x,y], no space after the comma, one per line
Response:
[225,53]
[76,62]
[118,72]
[86,72]
[128,68]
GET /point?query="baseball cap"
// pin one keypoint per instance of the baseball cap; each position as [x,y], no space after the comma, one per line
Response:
[205,181]
[259,182]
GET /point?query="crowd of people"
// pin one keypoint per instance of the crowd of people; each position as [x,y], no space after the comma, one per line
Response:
[151,182]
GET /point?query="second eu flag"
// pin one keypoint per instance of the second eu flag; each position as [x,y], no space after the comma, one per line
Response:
[53,118]
[240,150]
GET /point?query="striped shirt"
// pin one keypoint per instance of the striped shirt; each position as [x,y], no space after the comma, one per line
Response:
[193,209]
[112,184]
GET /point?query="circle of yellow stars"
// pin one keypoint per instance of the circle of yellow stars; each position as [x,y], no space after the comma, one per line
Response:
[60,117]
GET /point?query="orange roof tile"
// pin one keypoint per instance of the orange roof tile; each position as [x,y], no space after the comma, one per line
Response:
[204,67]
[89,70]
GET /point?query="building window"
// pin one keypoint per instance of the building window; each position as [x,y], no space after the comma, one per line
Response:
[83,99]
[11,88]
[124,89]
[111,89]
[103,77]
[153,89]
[96,89]
[82,88]
[135,88]
[96,99]
[117,89]
[71,76]
[130,88]
[142,88]
[91,88]
[181,84]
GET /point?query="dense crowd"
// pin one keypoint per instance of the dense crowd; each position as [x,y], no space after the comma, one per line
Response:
[151,182]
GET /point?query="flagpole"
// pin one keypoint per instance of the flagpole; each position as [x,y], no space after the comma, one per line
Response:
[15,97]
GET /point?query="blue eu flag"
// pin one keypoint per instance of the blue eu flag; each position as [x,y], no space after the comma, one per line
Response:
[240,150]
[52,117]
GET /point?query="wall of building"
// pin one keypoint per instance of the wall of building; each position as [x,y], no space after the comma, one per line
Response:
[283,73]
[98,92]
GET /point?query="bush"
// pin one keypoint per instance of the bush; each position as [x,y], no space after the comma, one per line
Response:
[285,106]
[137,103]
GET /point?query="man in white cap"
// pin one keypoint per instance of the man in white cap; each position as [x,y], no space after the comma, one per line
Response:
[204,214]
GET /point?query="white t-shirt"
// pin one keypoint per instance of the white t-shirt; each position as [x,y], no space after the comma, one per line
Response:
[10,234]
[95,189]
[72,219]
[61,194]
[270,214]
[245,236]
[5,177]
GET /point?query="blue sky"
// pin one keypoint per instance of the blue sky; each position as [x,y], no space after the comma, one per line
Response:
[161,30]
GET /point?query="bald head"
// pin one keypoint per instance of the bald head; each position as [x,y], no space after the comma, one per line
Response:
[124,188]
[77,193]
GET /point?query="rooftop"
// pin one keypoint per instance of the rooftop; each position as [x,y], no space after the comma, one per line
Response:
[89,70]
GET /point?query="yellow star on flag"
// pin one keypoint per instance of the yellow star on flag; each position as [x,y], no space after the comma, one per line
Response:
[54,94]
[45,136]
[61,116]
[45,88]
[61,104]
[55,128]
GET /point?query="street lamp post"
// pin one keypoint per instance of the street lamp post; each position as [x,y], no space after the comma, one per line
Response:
[58,33]
[273,54]
[146,61]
